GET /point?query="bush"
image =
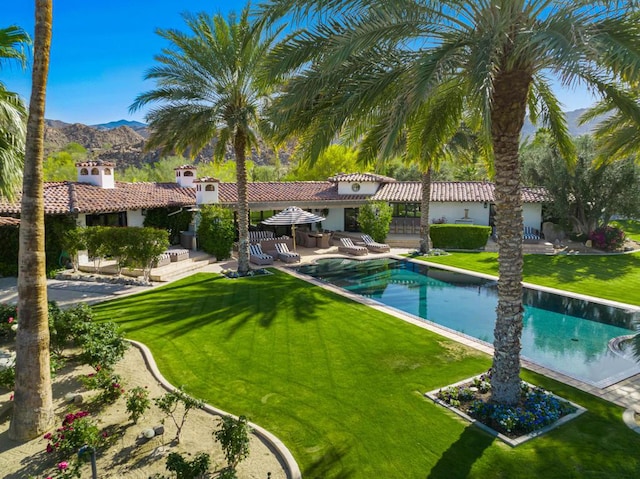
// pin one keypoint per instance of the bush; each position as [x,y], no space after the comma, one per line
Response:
[108,381]
[102,344]
[8,320]
[459,236]
[185,469]
[77,430]
[159,218]
[374,219]
[607,238]
[137,403]
[234,438]
[66,325]
[216,231]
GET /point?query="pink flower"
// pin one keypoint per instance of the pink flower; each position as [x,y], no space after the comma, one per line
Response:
[11,397]
[49,448]
[63,465]
[47,436]
[11,320]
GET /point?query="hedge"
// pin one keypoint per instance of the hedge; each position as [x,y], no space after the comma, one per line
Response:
[459,236]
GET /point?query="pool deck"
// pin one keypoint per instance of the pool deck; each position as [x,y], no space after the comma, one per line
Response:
[625,393]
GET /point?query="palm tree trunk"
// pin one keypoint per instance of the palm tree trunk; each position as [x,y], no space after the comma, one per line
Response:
[240,146]
[507,117]
[33,406]
[425,238]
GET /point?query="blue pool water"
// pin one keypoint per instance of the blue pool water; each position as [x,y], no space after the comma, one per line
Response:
[567,335]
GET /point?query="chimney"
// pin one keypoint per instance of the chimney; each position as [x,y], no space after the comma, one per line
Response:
[97,173]
[206,190]
[185,175]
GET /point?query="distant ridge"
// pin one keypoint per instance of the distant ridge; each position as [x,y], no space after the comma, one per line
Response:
[575,128]
[134,125]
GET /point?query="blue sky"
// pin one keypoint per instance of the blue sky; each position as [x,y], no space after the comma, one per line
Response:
[101,50]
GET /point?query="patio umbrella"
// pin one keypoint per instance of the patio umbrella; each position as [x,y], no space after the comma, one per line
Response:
[293,216]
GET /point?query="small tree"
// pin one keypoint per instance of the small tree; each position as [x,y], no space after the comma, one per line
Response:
[74,240]
[375,218]
[234,439]
[169,403]
[216,231]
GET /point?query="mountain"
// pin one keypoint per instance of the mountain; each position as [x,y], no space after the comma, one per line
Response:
[575,128]
[117,141]
[123,141]
[134,125]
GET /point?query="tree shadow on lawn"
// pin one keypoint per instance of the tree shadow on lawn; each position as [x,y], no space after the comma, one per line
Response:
[243,302]
[458,460]
[325,466]
[565,269]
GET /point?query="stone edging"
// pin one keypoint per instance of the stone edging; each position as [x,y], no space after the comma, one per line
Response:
[629,418]
[275,444]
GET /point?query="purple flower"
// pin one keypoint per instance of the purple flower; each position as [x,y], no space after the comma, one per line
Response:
[63,465]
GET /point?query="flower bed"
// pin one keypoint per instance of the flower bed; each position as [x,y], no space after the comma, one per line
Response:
[537,412]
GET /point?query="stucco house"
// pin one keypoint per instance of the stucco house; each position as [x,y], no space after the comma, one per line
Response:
[96,198]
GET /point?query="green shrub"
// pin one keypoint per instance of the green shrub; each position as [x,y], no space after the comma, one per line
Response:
[77,430]
[137,403]
[216,231]
[8,318]
[102,344]
[374,219]
[107,381]
[234,439]
[9,239]
[185,469]
[450,236]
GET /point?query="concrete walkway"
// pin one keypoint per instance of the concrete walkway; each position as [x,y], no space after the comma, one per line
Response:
[625,393]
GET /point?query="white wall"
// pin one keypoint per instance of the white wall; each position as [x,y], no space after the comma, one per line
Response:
[455,211]
[335,220]
[366,188]
[532,215]
[135,218]
[81,220]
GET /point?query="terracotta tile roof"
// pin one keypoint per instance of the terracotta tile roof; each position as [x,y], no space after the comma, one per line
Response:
[360,177]
[8,221]
[72,197]
[288,192]
[449,191]
[186,167]
[206,179]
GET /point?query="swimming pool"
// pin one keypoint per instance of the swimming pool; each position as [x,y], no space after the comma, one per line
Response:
[563,334]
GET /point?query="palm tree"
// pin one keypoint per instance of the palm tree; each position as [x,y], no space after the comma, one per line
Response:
[33,406]
[13,114]
[496,56]
[209,87]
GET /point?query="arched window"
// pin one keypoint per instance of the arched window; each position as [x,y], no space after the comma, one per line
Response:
[84,171]
[95,171]
[107,171]
[188,173]
[210,188]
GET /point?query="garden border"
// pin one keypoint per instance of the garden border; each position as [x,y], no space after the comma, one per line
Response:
[433,395]
[276,445]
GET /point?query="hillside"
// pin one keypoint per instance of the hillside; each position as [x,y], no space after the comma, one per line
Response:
[123,141]
[124,145]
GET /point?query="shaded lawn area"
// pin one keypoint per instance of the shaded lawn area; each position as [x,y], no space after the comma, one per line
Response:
[613,277]
[342,384]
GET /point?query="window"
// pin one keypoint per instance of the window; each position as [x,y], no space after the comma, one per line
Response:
[95,171]
[108,219]
[84,171]
[209,187]
[355,187]
[107,171]
[187,173]
[351,219]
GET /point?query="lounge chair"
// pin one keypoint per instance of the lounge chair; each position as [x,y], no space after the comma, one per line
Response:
[348,247]
[374,246]
[256,256]
[531,235]
[285,255]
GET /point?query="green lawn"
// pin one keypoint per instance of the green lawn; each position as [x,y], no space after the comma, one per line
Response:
[613,277]
[342,384]
[630,227]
